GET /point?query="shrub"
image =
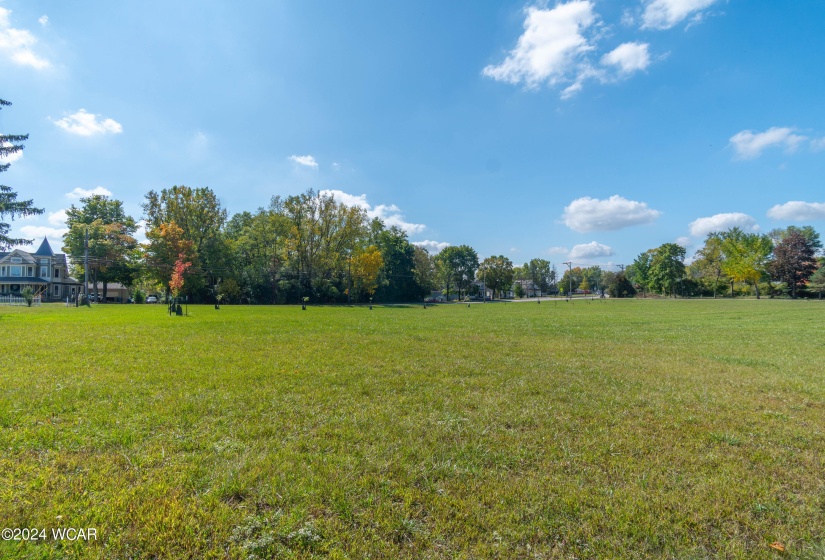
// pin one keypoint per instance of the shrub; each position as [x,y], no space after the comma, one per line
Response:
[28,295]
[138,296]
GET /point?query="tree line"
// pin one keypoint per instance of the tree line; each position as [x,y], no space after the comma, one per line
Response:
[312,246]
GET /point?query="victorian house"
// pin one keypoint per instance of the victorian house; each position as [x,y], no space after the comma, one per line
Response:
[45,272]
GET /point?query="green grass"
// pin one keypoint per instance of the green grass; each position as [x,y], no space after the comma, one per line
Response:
[616,429]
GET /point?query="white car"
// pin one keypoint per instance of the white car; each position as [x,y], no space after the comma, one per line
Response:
[152,299]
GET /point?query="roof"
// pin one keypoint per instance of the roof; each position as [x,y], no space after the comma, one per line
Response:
[45,249]
[21,280]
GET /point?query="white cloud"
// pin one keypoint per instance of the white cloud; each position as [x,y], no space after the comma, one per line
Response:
[591,214]
[558,250]
[722,222]
[83,123]
[85,193]
[798,210]
[55,235]
[390,214]
[432,247]
[307,161]
[750,145]
[10,158]
[818,144]
[590,250]
[140,234]
[684,242]
[552,48]
[43,20]
[58,218]
[16,44]
[628,58]
[664,14]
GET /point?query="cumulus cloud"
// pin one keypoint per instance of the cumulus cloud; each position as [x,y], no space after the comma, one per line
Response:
[390,214]
[590,250]
[86,193]
[433,247]
[10,158]
[664,14]
[552,48]
[684,242]
[84,123]
[43,20]
[55,235]
[306,161]
[559,48]
[591,214]
[750,145]
[58,218]
[16,44]
[628,58]
[798,210]
[722,222]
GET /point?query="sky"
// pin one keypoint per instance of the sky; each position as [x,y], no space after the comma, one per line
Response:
[578,131]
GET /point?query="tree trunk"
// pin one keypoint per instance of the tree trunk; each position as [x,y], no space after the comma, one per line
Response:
[731,289]
[105,289]
[756,285]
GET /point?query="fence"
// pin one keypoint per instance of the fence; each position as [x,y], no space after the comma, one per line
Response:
[17,300]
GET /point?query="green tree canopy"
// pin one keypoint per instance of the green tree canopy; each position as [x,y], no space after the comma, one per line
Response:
[113,255]
[745,256]
[458,265]
[640,271]
[667,267]
[497,273]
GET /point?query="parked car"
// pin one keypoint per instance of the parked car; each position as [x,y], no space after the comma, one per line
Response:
[152,299]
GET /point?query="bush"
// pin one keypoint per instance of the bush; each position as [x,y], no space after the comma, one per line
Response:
[138,296]
[28,295]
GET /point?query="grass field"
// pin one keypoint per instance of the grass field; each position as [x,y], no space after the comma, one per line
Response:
[612,429]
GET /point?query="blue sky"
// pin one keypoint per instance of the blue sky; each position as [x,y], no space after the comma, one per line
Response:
[584,130]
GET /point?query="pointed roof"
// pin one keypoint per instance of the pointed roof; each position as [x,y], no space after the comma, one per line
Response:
[45,249]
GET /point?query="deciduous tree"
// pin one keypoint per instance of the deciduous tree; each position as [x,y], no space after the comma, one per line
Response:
[497,273]
[793,260]
[667,267]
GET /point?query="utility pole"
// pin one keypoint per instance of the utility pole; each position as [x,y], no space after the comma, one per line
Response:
[570,279]
[86,267]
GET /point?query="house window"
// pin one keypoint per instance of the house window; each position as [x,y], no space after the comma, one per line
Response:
[16,271]
[16,259]
[2,270]
[57,290]
[57,273]
[15,287]
[44,272]
[29,271]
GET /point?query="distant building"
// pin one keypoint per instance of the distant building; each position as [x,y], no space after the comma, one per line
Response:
[46,273]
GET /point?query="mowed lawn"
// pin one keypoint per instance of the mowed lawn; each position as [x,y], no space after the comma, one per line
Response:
[611,429]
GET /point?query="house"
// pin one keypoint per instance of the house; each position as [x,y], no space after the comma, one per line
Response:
[45,272]
[115,292]
[529,288]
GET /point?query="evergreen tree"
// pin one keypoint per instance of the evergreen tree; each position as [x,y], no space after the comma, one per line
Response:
[9,205]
